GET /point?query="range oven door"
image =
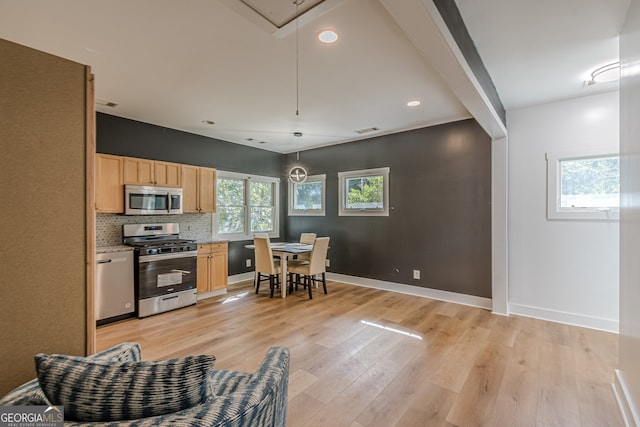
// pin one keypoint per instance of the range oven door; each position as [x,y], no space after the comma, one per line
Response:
[166,273]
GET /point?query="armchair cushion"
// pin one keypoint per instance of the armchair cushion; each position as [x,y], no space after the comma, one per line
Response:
[99,390]
[30,392]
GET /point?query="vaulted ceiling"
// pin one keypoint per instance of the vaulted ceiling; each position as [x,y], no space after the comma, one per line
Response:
[249,65]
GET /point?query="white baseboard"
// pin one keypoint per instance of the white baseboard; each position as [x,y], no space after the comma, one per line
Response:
[242,277]
[608,325]
[212,294]
[627,409]
[436,294]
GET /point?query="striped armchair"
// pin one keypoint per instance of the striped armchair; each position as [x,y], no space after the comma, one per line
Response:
[234,399]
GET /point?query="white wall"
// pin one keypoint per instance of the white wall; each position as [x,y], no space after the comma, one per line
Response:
[560,270]
[627,384]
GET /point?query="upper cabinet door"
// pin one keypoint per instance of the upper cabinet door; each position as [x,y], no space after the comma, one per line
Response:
[109,185]
[190,188]
[167,174]
[138,171]
[207,190]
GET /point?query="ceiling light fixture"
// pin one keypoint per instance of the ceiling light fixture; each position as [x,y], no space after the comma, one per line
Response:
[606,73]
[328,36]
[413,103]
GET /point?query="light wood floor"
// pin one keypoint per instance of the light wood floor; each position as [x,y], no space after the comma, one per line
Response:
[364,357]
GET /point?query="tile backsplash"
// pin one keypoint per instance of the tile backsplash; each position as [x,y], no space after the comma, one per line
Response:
[192,226]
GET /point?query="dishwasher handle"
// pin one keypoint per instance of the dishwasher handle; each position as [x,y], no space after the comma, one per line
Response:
[111,260]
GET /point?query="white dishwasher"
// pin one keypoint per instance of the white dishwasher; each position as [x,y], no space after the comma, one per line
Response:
[114,286]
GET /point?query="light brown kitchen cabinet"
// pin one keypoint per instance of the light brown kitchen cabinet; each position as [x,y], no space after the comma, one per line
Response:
[167,174]
[198,189]
[150,172]
[109,184]
[213,260]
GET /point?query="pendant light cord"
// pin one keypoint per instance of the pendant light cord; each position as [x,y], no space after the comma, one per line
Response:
[298,3]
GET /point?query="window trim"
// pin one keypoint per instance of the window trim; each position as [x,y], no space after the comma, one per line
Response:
[343,176]
[307,212]
[248,235]
[554,211]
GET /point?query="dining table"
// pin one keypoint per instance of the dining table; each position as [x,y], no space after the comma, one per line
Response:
[284,250]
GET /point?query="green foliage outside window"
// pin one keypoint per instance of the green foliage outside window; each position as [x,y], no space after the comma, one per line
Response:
[261,209]
[590,182]
[365,192]
[308,195]
[230,205]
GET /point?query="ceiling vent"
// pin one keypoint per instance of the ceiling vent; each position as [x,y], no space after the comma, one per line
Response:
[367,130]
[106,103]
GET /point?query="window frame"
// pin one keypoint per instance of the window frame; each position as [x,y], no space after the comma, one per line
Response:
[554,181]
[248,234]
[322,179]
[342,178]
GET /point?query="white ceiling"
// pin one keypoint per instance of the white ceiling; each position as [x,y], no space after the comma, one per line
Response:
[177,63]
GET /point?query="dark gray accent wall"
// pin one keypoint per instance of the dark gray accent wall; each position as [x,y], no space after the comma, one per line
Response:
[125,137]
[440,191]
[452,18]
[440,208]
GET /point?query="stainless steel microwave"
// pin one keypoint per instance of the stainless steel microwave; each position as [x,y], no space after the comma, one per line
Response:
[150,200]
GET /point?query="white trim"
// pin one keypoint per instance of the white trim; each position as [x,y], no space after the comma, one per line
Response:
[242,277]
[212,294]
[625,404]
[291,188]
[499,226]
[585,321]
[436,294]
[342,176]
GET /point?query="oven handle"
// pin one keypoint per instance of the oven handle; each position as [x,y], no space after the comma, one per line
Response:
[181,271]
[171,255]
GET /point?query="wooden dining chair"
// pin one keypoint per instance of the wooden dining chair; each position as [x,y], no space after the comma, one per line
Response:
[266,267]
[310,269]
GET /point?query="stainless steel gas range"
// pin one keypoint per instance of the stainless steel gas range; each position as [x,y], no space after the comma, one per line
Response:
[165,267]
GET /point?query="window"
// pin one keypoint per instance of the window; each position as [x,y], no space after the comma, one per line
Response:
[364,192]
[584,185]
[307,198]
[246,205]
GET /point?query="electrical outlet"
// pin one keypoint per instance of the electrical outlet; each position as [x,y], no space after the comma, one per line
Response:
[248,263]
[327,263]
[416,274]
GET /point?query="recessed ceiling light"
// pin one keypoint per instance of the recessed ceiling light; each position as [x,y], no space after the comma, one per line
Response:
[413,103]
[208,122]
[328,36]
